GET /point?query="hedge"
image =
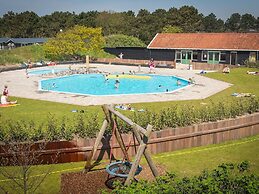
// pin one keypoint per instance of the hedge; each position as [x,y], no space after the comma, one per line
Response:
[86,126]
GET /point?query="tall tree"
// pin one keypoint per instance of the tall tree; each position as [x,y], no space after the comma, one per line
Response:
[247,23]
[212,24]
[50,25]
[233,23]
[1,27]
[159,20]
[173,17]
[10,24]
[128,27]
[87,19]
[29,21]
[143,24]
[110,22]
[190,19]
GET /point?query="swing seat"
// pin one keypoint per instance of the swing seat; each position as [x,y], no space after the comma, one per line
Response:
[121,169]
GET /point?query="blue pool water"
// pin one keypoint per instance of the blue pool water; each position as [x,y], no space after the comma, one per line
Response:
[45,71]
[95,84]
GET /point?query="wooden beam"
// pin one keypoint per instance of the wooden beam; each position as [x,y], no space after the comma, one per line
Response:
[135,164]
[96,144]
[121,143]
[146,152]
[127,120]
[107,113]
[141,150]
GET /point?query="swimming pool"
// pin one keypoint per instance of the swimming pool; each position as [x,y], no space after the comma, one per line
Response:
[96,84]
[45,71]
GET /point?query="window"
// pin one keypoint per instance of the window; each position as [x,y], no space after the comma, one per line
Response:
[204,55]
[195,55]
[223,56]
[216,56]
[189,55]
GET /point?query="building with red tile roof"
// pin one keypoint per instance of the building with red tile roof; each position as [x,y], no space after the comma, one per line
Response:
[212,48]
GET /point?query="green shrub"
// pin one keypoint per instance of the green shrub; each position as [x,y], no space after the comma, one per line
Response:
[252,64]
[87,126]
[226,178]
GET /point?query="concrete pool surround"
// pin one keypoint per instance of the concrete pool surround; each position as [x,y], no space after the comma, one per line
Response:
[21,86]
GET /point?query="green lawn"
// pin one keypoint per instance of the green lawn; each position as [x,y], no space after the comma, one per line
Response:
[186,162]
[22,54]
[38,111]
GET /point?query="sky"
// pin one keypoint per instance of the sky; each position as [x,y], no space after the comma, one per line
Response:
[221,8]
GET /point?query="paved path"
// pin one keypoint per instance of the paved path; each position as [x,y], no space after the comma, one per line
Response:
[21,86]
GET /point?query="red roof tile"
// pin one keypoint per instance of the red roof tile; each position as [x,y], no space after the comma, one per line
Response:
[208,41]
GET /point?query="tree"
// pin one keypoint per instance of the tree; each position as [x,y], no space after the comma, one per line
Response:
[212,24]
[1,27]
[172,29]
[233,23]
[159,17]
[143,23]
[50,25]
[247,23]
[10,23]
[77,41]
[128,27]
[173,17]
[29,21]
[190,19]
[110,22]
[120,40]
[19,155]
[87,19]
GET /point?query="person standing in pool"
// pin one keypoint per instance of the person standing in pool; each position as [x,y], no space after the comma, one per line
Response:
[178,82]
[117,82]
[151,66]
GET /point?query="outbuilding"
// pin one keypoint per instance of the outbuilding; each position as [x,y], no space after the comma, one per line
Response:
[9,43]
[210,48]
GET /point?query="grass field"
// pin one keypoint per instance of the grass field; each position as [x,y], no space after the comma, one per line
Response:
[185,163]
[23,54]
[188,162]
[38,111]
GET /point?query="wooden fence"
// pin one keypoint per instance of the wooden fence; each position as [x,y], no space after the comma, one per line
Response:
[170,139]
[166,64]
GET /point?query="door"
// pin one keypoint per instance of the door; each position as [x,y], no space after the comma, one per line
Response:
[213,57]
[233,58]
[178,56]
[186,57]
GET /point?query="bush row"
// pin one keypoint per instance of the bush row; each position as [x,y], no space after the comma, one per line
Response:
[226,178]
[88,125]
[83,126]
[180,116]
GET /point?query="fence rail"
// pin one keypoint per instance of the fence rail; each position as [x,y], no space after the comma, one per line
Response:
[170,139]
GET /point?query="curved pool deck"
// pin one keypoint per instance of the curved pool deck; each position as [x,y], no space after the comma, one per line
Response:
[21,86]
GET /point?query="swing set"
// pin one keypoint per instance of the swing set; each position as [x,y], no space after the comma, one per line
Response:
[123,169]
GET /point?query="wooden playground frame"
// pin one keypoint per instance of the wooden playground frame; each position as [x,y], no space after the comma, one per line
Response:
[142,135]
